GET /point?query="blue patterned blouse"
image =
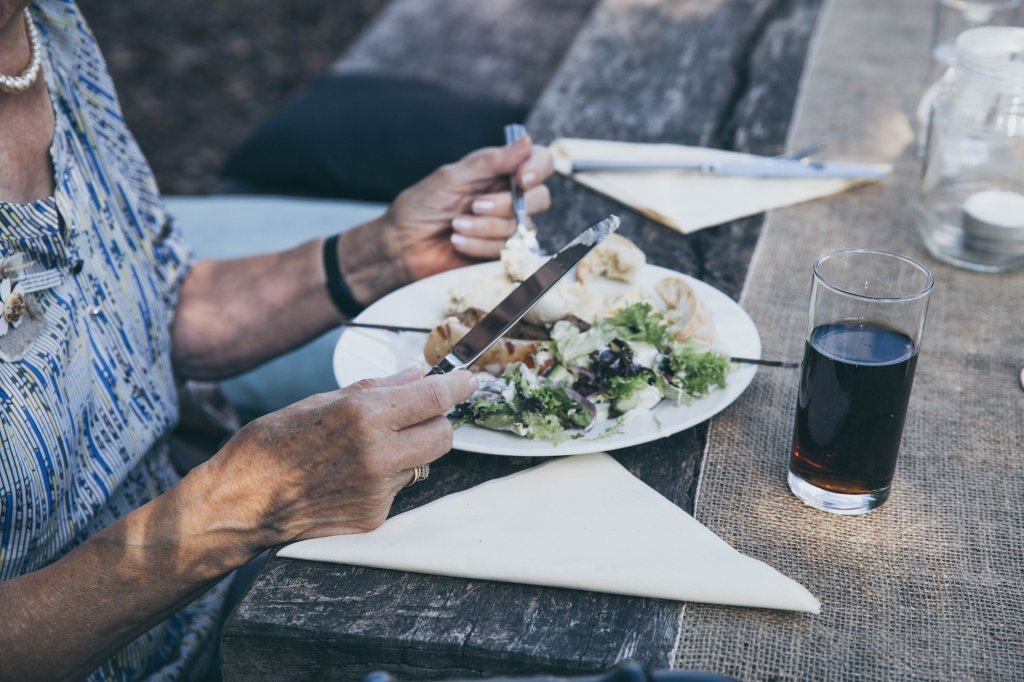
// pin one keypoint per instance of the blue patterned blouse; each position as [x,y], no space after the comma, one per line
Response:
[87,394]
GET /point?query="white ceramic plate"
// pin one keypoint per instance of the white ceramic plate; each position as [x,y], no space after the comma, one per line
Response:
[368,353]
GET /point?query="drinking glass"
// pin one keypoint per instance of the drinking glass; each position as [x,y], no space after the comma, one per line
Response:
[867,313]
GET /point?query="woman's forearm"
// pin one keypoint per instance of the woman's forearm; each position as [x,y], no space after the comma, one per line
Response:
[235,314]
[63,621]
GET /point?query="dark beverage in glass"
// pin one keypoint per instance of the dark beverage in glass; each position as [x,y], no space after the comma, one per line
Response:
[854,389]
[867,314]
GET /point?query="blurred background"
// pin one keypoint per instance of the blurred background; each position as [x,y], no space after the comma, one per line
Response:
[196,77]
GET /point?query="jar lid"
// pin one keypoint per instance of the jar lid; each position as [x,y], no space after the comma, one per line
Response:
[994,51]
[993,222]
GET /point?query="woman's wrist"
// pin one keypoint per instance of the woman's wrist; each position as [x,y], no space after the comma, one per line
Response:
[224,509]
[370,257]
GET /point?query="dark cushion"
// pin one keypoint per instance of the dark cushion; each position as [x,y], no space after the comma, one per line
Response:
[365,137]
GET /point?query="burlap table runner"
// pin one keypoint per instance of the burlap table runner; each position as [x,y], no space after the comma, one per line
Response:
[932,585]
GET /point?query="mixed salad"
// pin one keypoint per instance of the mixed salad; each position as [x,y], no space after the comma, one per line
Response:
[625,363]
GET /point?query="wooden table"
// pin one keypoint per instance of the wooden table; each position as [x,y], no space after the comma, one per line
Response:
[719,73]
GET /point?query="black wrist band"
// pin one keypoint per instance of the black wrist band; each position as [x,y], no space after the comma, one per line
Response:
[337,288]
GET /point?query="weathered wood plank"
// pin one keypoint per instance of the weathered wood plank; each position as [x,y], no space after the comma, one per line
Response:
[344,617]
[719,74]
[654,70]
[504,50]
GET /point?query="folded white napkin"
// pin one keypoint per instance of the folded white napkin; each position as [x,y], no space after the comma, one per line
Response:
[580,522]
[684,201]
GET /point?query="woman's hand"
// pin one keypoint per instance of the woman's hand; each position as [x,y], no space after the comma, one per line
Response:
[458,215]
[332,464]
[329,464]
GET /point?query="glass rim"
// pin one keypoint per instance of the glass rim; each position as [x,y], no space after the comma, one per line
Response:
[929,280]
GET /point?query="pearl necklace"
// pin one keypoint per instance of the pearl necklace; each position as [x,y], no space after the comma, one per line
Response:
[30,75]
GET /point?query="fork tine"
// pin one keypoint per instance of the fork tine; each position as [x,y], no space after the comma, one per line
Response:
[805,152]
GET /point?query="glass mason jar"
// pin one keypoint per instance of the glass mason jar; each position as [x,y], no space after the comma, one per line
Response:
[971,202]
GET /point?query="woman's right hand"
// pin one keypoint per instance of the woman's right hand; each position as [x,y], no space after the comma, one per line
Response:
[329,464]
[332,463]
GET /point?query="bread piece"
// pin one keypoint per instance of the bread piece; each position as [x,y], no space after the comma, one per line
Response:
[615,258]
[687,317]
[482,293]
[565,299]
[506,351]
[519,262]
[613,303]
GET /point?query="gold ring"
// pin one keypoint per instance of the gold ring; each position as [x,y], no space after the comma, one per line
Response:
[419,473]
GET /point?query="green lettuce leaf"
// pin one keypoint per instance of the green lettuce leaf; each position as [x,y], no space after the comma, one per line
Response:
[695,370]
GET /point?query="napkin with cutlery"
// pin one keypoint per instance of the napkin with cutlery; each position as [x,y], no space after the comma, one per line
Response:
[688,202]
[580,522]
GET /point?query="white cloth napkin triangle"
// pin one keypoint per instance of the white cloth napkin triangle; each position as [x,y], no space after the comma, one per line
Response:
[579,522]
[683,201]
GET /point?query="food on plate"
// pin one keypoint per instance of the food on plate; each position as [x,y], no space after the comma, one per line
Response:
[503,353]
[519,261]
[615,258]
[587,351]
[627,362]
[687,317]
[482,293]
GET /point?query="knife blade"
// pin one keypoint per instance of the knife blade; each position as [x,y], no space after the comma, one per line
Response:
[506,314]
[760,168]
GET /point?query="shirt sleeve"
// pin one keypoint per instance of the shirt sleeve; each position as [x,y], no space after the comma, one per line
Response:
[173,260]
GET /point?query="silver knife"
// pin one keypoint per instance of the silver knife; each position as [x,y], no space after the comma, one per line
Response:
[767,168]
[506,314]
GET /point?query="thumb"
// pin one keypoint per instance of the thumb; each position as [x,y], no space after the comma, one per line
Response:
[491,162]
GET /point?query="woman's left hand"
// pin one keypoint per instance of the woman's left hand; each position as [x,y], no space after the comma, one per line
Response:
[458,215]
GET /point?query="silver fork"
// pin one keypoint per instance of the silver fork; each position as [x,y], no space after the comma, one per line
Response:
[524,233]
[804,154]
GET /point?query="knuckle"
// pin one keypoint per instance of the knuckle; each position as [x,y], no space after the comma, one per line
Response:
[361,416]
[370,466]
[490,156]
[361,385]
[446,435]
[436,397]
[447,172]
[371,411]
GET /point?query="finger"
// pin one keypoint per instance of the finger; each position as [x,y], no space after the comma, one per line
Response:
[479,249]
[538,200]
[423,443]
[536,169]
[484,164]
[426,398]
[407,375]
[484,227]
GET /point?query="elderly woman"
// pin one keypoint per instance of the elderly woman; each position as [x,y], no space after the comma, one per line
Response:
[109,564]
